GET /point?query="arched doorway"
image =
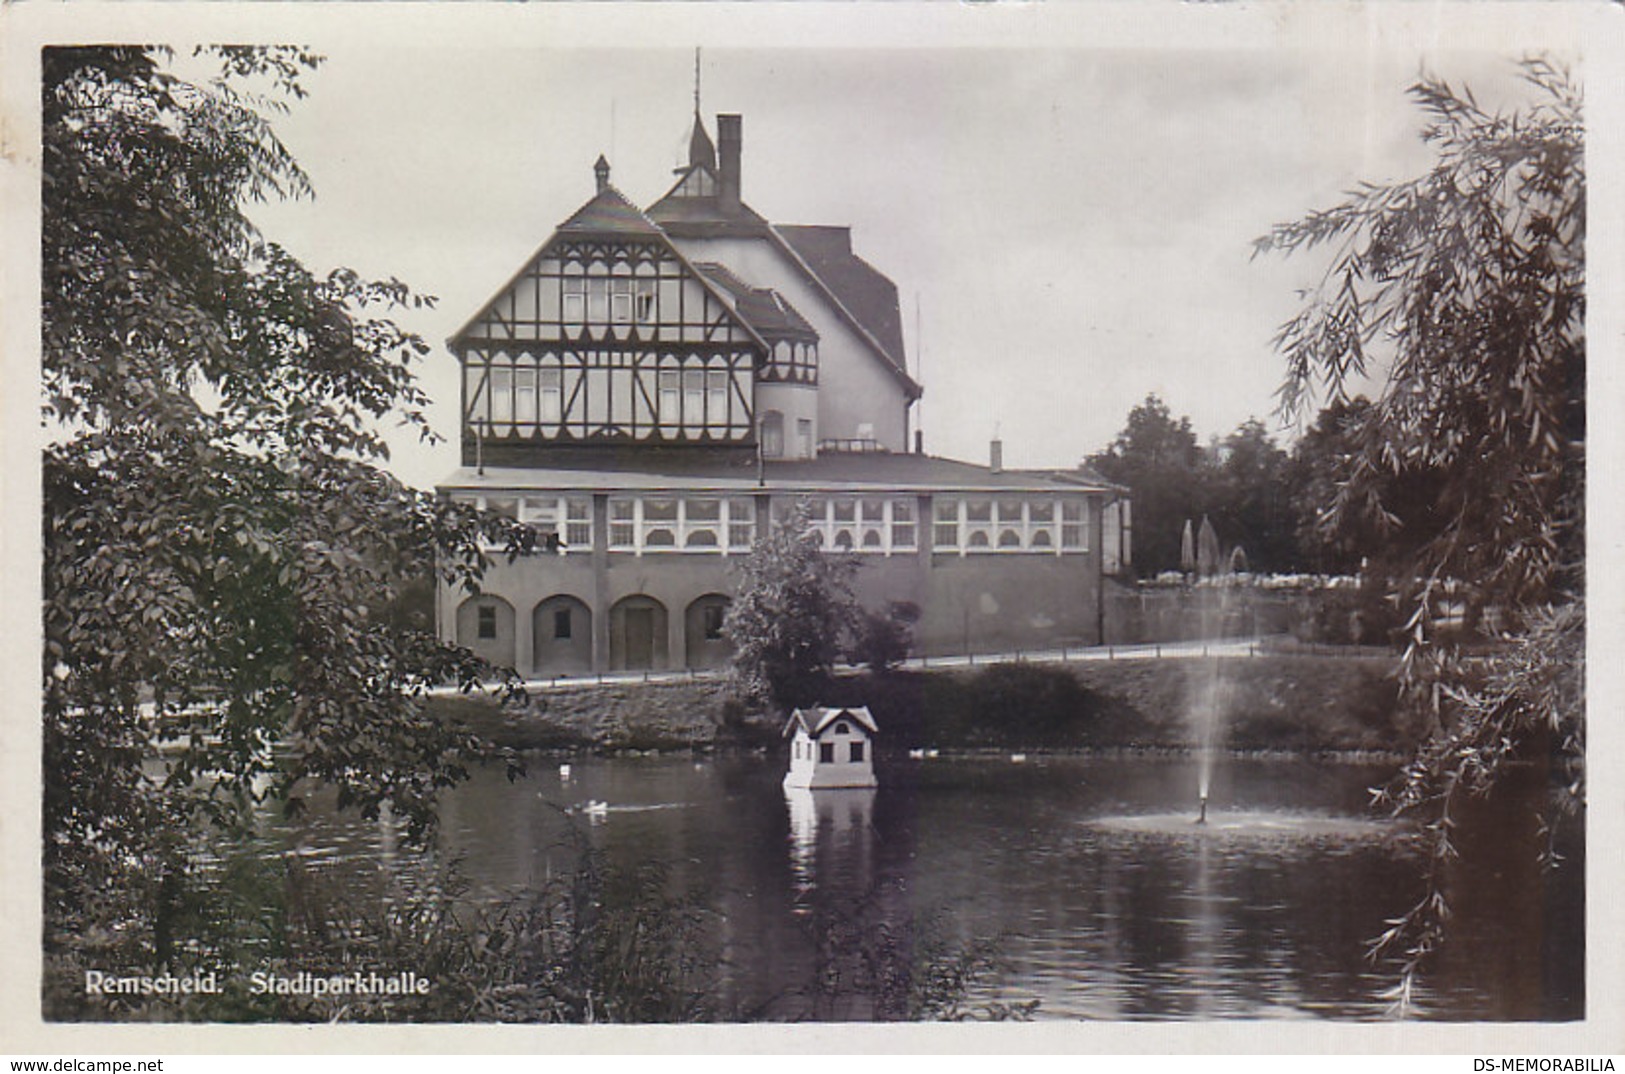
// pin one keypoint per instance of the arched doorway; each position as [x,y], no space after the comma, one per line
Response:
[561,636]
[637,634]
[704,645]
[485,625]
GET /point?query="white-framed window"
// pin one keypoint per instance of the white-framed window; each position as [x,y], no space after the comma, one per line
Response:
[804,438]
[524,388]
[623,528]
[705,524]
[597,299]
[549,514]
[575,300]
[945,524]
[671,412]
[502,395]
[620,300]
[977,529]
[1009,523]
[869,524]
[1074,525]
[716,399]
[901,520]
[741,524]
[644,302]
[550,409]
[694,398]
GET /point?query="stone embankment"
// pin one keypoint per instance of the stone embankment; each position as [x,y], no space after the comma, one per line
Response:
[1300,704]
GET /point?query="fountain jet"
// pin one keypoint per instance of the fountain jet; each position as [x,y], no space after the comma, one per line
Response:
[1201,818]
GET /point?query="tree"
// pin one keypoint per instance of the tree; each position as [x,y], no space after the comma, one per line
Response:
[1247,498]
[1322,460]
[1468,285]
[881,639]
[1158,459]
[793,606]
[220,543]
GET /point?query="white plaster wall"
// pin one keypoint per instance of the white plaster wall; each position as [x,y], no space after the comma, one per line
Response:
[854,385]
[794,401]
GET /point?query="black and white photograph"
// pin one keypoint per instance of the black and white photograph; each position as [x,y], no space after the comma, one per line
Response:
[679,515]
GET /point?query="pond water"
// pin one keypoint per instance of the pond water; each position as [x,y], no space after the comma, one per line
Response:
[1104,900]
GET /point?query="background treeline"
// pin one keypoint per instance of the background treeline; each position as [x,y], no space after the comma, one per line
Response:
[1264,498]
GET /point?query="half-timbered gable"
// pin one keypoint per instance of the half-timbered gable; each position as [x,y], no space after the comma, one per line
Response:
[654,389]
[609,334]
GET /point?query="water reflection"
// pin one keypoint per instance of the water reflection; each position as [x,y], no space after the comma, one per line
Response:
[841,820]
[1103,903]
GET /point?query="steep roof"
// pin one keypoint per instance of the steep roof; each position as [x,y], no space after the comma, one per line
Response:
[766,310]
[610,213]
[862,288]
[861,294]
[814,720]
[700,148]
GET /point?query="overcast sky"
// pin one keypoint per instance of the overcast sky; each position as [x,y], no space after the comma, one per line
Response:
[1069,227]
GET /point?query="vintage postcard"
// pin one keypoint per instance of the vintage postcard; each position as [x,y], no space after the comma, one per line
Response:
[1064,524]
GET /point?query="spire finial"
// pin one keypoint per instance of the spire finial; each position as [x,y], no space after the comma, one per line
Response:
[696,80]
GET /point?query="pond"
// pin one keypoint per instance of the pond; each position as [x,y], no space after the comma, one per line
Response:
[1100,895]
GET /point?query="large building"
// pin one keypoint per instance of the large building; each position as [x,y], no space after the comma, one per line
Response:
[656,386]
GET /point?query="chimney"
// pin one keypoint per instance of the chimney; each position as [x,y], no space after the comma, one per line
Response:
[996,456]
[601,170]
[730,138]
[919,441]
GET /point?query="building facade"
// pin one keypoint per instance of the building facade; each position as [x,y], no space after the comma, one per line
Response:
[656,386]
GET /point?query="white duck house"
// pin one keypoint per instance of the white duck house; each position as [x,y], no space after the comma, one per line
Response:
[831,747]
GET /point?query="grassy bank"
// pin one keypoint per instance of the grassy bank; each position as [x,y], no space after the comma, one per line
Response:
[1307,704]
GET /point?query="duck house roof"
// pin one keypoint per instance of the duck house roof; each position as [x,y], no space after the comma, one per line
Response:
[815,719]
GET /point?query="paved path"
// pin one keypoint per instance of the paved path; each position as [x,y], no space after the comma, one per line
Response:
[1172,650]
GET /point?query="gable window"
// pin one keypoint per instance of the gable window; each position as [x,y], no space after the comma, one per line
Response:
[716,402]
[551,407]
[840,728]
[502,395]
[575,300]
[597,299]
[620,300]
[670,404]
[694,398]
[525,396]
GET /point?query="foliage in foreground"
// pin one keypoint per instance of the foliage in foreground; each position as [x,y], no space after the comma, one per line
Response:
[221,546]
[1467,285]
[603,942]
